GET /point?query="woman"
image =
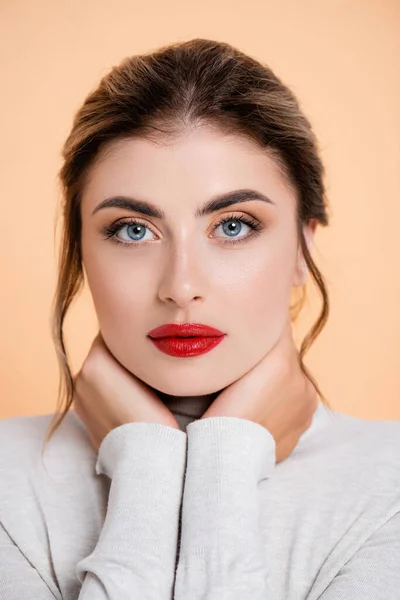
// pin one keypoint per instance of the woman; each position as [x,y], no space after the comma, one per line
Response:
[200,468]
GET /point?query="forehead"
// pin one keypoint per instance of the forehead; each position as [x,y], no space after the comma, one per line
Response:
[184,171]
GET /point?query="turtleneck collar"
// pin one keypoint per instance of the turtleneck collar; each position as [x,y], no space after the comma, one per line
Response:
[187,408]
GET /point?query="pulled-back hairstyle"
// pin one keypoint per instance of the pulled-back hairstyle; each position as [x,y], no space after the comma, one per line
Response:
[159,95]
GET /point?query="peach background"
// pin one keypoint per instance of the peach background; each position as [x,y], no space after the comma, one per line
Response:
[340,57]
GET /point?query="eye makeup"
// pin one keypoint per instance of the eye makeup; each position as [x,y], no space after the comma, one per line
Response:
[110,231]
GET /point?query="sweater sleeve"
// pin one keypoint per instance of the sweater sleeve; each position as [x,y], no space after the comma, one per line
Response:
[135,556]
[222,555]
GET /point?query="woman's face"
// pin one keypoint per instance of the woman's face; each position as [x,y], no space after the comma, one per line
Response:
[184,268]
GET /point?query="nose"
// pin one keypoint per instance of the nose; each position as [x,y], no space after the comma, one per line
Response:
[184,277]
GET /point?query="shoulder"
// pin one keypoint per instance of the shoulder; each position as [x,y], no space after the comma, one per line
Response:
[32,477]
[361,454]
[340,435]
[52,504]
[24,431]
[22,439]
[343,482]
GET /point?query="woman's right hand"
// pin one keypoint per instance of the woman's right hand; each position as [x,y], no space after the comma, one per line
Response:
[107,395]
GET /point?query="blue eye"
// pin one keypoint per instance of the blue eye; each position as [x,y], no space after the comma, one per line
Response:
[235,225]
[137,228]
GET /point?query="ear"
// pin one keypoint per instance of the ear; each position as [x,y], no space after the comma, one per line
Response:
[300,273]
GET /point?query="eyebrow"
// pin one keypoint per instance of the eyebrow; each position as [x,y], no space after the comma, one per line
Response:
[216,203]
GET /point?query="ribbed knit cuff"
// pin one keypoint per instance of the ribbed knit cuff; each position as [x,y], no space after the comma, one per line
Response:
[227,458]
[146,463]
[141,441]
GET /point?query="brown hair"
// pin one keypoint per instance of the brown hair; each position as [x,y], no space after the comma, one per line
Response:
[161,94]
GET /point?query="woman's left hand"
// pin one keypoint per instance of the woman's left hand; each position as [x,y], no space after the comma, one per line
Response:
[275,393]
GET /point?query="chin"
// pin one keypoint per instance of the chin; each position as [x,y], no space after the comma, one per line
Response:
[182,387]
[193,383]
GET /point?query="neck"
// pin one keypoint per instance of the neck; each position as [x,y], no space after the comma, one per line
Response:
[187,408]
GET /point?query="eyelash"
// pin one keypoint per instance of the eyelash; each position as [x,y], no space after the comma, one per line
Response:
[110,231]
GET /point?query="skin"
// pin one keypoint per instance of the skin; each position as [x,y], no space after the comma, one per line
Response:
[278,396]
[182,271]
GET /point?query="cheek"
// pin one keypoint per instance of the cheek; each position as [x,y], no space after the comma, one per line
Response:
[257,300]
[121,290]
[122,295]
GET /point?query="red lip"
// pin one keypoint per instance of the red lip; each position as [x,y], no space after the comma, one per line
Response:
[184,330]
[186,347]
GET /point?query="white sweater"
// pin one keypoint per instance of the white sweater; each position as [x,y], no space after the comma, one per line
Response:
[202,513]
